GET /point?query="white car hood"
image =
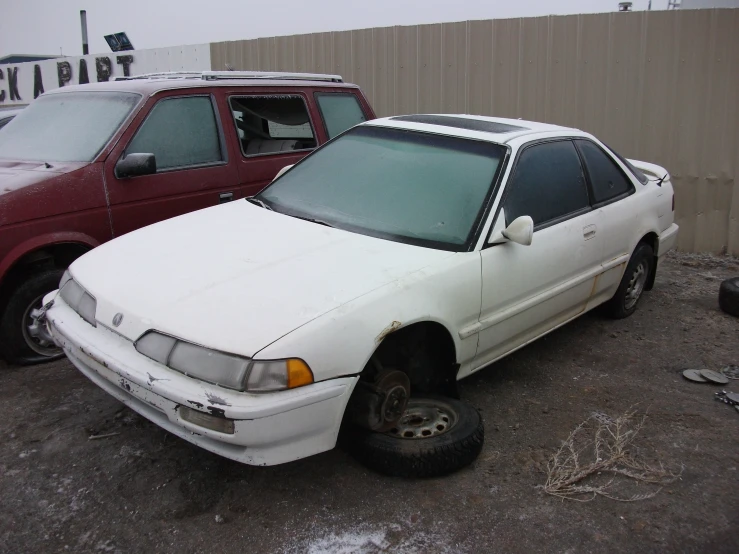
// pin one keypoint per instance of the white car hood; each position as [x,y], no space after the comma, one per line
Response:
[237,277]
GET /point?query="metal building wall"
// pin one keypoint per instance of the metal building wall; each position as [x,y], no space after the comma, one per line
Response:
[658,86]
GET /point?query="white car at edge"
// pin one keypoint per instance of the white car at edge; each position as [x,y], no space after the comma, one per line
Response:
[357,288]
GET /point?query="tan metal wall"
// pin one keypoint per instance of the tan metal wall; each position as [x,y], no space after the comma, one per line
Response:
[658,86]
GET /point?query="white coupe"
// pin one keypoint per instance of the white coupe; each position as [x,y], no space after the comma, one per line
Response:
[356,289]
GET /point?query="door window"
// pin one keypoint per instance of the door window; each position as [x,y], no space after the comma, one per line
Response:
[607,180]
[180,132]
[547,184]
[340,112]
[272,124]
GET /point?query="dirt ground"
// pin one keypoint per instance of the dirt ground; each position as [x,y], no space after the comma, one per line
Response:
[142,489]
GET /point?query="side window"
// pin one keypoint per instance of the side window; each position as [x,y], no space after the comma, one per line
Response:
[340,112]
[180,132]
[638,173]
[547,183]
[272,124]
[607,179]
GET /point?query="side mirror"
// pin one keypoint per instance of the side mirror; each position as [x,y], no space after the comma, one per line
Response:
[520,231]
[283,170]
[135,165]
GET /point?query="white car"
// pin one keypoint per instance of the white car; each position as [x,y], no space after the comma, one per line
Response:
[357,288]
[6,116]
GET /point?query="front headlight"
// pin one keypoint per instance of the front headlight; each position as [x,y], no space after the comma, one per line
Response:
[265,376]
[226,370]
[78,298]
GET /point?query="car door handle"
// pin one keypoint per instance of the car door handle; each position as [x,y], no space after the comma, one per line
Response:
[225,197]
[588,231]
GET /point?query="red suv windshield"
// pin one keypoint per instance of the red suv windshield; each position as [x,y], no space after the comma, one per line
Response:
[66,127]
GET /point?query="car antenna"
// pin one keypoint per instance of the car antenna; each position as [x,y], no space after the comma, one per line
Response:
[660,181]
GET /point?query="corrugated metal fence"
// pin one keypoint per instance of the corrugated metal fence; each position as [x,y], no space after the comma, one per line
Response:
[657,86]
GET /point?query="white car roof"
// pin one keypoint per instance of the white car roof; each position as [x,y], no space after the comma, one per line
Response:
[493,129]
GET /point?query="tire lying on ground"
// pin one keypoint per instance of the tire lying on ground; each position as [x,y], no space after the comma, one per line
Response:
[435,436]
[728,296]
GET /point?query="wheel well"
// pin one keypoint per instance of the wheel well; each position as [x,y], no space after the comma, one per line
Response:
[652,240]
[424,351]
[52,256]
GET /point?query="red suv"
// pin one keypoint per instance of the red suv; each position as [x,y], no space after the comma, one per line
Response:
[84,164]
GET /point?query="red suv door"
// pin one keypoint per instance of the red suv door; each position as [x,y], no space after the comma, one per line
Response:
[183,129]
[277,126]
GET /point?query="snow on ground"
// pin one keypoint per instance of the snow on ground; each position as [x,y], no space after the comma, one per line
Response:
[368,539]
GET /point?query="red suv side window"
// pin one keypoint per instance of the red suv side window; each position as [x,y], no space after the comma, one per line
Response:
[180,132]
[272,124]
[340,112]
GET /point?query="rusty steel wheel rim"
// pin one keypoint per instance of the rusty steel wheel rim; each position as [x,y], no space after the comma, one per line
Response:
[424,418]
[34,332]
[636,285]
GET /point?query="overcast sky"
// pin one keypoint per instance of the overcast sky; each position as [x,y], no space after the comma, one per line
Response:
[45,26]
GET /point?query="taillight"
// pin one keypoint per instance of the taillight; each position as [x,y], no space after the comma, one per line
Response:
[673,201]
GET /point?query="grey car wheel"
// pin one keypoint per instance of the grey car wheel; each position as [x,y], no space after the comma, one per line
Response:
[633,283]
[435,436]
[35,333]
[23,339]
[636,285]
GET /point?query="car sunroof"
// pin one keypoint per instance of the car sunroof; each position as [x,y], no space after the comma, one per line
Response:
[460,123]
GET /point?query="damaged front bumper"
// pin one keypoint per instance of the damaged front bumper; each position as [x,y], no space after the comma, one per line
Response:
[268,429]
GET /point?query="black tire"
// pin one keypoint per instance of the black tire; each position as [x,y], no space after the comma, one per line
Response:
[16,345]
[452,449]
[728,296]
[634,281]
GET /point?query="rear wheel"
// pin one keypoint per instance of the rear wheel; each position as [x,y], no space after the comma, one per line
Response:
[633,283]
[434,436]
[22,340]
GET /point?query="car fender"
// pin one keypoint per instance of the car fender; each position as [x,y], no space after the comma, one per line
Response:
[340,342]
[41,241]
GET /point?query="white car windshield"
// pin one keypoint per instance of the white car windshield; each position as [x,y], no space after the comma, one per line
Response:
[402,185]
[66,127]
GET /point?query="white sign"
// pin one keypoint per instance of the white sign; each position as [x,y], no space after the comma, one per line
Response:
[21,83]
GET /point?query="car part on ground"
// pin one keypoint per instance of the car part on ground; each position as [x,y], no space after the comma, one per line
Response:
[731,371]
[435,436]
[714,377]
[706,376]
[633,283]
[728,296]
[24,339]
[694,375]
[728,398]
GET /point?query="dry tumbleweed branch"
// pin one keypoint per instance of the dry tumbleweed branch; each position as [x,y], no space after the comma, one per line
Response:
[609,443]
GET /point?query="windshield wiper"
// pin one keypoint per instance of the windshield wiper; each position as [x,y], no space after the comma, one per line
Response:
[257,202]
[313,220]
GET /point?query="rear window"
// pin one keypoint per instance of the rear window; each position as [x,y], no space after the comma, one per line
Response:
[66,127]
[643,179]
